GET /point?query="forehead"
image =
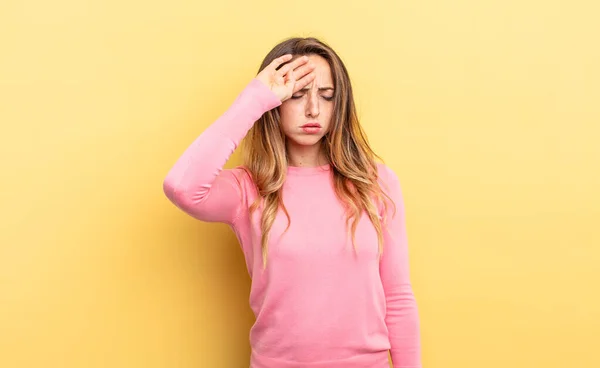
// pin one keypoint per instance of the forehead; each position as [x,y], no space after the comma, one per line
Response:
[323,77]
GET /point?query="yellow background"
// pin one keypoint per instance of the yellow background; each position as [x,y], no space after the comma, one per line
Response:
[487,110]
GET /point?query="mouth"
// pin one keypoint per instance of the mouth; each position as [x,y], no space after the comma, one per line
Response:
[311,125]
[311,128]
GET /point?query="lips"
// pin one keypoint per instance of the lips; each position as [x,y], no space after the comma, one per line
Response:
[311,125]
[311,128]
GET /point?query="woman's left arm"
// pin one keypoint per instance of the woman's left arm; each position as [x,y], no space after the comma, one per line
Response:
[402,318]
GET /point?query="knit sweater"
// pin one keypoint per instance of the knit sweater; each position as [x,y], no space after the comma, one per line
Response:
[319,302]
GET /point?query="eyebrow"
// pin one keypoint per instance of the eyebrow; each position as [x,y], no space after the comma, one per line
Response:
[320,89]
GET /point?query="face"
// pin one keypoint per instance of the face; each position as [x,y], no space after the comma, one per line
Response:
[312,105]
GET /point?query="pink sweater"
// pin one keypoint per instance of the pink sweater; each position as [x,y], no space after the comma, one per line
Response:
[317,304]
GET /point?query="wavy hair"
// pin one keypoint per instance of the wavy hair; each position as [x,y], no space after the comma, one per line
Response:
[352,160]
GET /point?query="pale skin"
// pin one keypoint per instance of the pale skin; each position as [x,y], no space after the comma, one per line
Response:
[305,87]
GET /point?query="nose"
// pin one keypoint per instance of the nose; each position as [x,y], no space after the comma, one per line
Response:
[312,106]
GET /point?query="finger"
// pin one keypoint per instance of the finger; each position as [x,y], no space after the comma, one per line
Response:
[280,60]
[293,64]
[291,79]
[300,72]
[304,81]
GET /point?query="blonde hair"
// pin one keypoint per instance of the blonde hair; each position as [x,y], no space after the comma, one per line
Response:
[352,160]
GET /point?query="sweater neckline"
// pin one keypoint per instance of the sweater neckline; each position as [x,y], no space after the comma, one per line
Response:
[308,170]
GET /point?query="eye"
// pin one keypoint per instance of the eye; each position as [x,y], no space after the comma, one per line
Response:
[297,96]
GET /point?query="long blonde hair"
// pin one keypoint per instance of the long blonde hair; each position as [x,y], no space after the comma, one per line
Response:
[352,160]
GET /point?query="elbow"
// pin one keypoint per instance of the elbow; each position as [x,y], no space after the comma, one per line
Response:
[177,194]
[401,295]
[169,188]
[185,198]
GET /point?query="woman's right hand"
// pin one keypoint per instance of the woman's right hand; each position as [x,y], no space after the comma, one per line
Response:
[290,78]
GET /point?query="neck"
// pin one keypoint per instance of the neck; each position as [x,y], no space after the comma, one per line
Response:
[306,156]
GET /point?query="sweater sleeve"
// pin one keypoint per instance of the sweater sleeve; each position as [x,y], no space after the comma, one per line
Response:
[402,318]
[197,182]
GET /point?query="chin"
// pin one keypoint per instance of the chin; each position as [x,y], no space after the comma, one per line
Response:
[307,140]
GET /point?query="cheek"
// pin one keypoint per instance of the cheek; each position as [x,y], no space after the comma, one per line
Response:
[328,112]
[289,113]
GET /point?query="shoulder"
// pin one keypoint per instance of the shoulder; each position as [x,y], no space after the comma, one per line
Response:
[390,184]
[387,176]
[244,178]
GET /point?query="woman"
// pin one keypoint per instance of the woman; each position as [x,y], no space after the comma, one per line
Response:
[321,224]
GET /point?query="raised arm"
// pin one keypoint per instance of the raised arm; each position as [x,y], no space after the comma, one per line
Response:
[197,182]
